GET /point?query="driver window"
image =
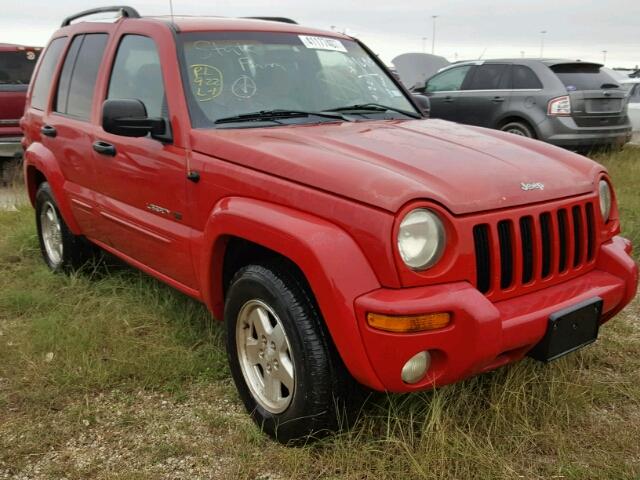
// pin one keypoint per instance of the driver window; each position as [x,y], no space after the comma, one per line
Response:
[448,81]
[137,74]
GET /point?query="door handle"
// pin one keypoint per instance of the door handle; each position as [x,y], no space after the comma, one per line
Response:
[449,99]
[49,131]
[104,148]
[497,99]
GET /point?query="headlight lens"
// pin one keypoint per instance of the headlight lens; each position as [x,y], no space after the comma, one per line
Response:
[605,199]
[421,239]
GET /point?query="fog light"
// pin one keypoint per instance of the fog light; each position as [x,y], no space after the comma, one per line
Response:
[416,368]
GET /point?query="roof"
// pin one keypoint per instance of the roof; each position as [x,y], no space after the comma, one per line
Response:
[550,62]
[199,24]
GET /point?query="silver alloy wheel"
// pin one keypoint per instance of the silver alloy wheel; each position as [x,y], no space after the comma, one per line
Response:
[265,356]
[51,233]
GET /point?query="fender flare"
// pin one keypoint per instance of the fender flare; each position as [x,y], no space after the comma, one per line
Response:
[332,262]
[42,159]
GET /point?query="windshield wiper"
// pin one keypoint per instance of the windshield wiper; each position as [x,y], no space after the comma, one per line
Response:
[374,107]
[266,115]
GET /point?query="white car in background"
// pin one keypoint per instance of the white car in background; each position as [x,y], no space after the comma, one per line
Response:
[633,85]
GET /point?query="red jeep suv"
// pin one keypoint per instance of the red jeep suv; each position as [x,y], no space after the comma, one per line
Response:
[282,176]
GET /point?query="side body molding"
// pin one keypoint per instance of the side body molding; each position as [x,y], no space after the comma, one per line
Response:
[39,157]
[332,262]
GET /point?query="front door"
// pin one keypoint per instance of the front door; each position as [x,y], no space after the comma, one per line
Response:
[142,191]
[443,90]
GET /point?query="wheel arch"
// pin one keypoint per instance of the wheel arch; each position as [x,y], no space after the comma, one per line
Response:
[41,166]
[329,260]
[518,117]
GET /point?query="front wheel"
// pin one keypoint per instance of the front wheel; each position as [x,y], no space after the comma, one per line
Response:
[518,128]
[287,372]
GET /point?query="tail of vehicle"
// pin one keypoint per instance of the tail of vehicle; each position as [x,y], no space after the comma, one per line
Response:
[16,66]
[594,98]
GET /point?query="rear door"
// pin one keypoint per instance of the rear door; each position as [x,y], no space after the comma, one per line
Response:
[68,129]
[597,100]
[484,95]
[443,90]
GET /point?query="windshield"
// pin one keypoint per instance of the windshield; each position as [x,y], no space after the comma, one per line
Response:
[16,67]
[236,73]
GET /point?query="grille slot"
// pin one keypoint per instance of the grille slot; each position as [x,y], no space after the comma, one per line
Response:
[483,257]
[577,235]
[562,236]
[506,253]
[526,236]
[591,232]
[547,242]
[528,249]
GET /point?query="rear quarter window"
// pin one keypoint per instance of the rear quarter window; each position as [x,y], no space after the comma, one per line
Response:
[578,76]
[523,78]
[44,76]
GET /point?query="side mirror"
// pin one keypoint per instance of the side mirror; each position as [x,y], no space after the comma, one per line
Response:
[128,118]
[423,103]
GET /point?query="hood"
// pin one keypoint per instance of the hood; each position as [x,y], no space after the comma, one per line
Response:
[389,163]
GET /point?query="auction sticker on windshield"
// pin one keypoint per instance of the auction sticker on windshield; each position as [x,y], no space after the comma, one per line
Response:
[323,43]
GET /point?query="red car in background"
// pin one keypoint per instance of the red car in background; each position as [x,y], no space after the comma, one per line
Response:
[16,66]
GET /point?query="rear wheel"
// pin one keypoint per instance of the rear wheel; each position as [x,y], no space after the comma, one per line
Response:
[518,128]
[61,249]
[288,374]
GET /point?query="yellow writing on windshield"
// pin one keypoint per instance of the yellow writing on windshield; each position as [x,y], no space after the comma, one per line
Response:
[207,82]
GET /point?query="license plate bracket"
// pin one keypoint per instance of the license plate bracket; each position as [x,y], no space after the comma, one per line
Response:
[569,330]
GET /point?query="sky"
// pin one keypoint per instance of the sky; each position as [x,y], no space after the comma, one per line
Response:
[465,29]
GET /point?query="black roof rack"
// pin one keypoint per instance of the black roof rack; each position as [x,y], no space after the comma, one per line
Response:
[275,19]
[123,10]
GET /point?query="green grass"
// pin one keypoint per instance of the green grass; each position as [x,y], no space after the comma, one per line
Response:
[110,374]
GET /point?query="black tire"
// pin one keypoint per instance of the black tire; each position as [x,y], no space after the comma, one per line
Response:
[75,249]
[325,398]
[518,128]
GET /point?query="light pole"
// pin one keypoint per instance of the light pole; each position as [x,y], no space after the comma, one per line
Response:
[433,37]
[424,44]
[604,57]
[542,34]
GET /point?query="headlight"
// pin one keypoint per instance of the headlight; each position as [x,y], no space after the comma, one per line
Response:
[421,239]
[605,199]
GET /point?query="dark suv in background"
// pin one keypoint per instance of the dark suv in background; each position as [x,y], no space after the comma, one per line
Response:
[567,103]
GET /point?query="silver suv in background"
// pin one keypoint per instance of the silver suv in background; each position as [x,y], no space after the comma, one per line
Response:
[568,103]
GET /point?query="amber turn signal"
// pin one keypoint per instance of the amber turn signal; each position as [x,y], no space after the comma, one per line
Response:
[408,323]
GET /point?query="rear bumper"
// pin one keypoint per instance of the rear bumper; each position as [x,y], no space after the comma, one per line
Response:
[10,146]
[564,132]
[485,335]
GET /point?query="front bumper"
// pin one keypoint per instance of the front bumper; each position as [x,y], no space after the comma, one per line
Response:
[484,335]
[10,146]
